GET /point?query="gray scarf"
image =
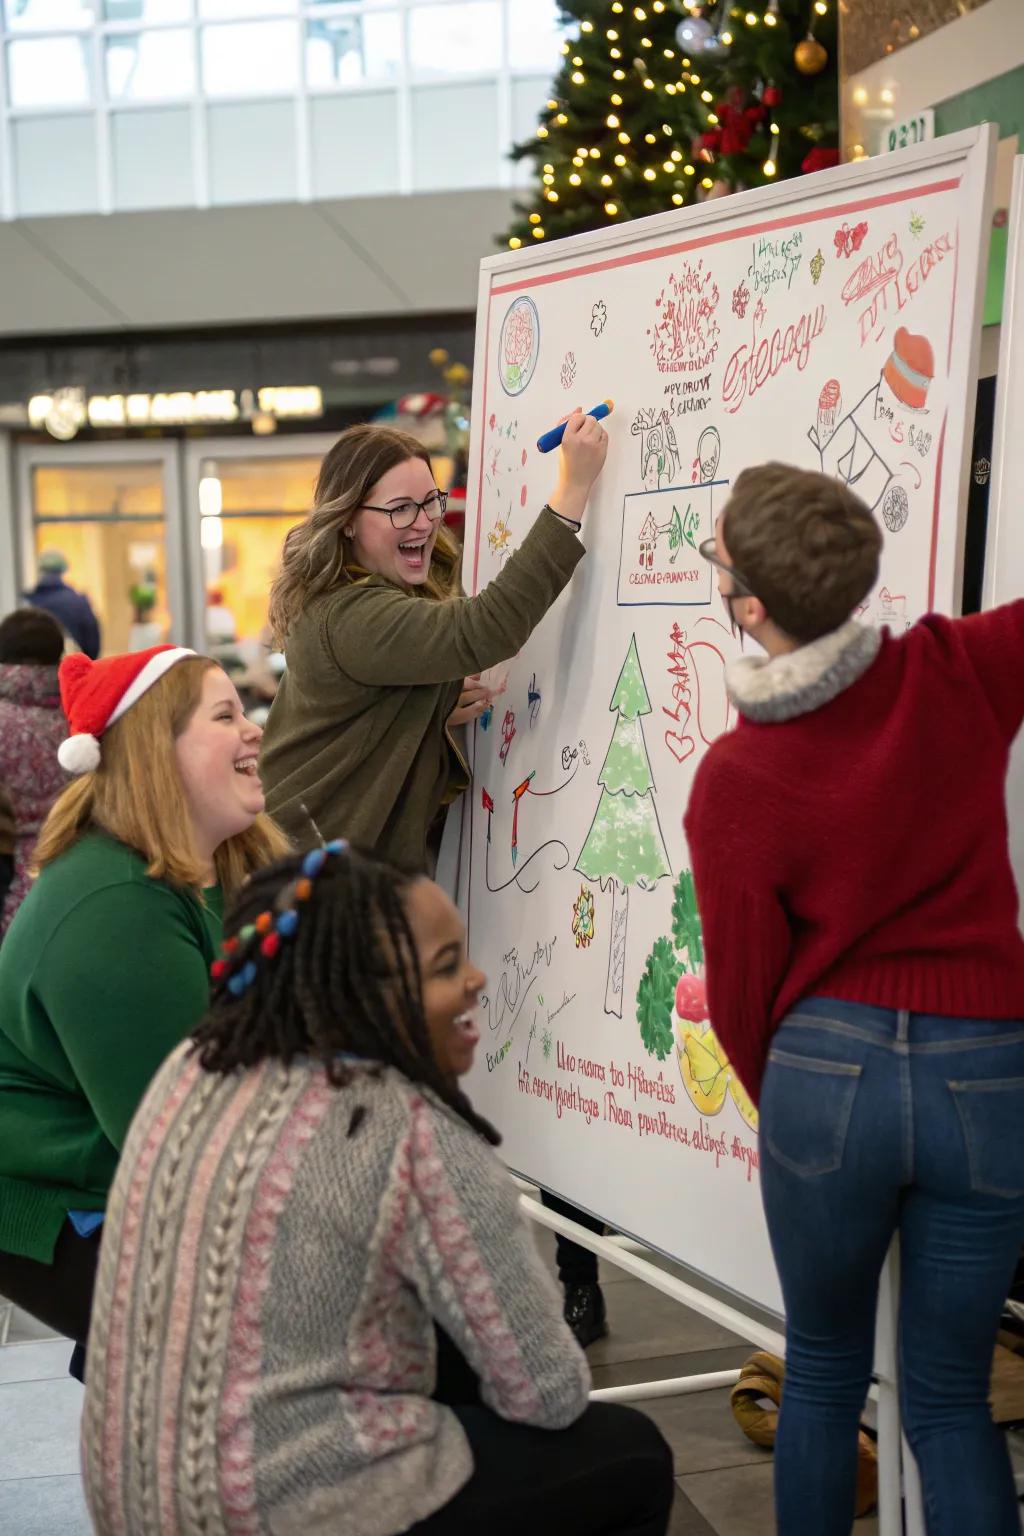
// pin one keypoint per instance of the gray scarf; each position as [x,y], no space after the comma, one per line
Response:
[772,689]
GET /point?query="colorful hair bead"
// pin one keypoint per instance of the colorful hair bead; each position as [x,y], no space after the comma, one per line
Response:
[264,922]
[219,969]
[287,923]
[229,946]
[338,845]
[303,889]
[247,933]
[314,862]
[270,945]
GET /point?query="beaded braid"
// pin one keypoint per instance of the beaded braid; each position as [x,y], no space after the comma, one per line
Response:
[319,960]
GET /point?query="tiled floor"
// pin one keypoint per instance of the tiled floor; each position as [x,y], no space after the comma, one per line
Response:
[723,1481]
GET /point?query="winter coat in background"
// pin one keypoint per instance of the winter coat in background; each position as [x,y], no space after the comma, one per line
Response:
[32,727]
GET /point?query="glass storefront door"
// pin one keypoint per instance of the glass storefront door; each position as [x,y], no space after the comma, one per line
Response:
[243,497]
[111,512]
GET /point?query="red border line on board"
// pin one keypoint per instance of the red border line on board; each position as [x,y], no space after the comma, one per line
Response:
[483,449]
[933,557]
[701,243]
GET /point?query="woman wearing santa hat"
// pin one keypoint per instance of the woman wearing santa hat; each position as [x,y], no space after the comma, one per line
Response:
[105,967]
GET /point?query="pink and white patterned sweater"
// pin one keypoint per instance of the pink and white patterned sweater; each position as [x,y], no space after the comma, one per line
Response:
[262,1351]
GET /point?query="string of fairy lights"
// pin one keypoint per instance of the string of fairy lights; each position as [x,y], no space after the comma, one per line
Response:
[670,72]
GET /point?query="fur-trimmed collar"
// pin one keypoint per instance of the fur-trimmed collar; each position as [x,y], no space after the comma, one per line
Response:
[773,689]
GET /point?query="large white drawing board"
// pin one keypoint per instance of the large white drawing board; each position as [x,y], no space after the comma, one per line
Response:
[831,322]
[1004,554]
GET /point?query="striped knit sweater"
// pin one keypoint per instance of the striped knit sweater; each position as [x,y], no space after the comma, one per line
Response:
[262,1356]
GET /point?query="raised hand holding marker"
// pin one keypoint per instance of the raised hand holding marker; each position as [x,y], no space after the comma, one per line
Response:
[553,439]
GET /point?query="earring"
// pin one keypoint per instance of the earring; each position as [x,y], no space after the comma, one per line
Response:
[349,534]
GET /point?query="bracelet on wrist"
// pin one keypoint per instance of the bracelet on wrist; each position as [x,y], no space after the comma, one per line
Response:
[572,523]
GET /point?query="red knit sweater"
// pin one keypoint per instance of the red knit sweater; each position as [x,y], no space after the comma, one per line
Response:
[860,850]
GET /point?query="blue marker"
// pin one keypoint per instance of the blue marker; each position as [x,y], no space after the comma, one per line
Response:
[553,438]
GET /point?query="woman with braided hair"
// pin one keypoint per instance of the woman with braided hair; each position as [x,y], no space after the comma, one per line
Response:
[306,1204]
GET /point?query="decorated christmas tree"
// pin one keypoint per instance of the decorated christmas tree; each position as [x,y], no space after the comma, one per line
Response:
[662,103]
[624,846]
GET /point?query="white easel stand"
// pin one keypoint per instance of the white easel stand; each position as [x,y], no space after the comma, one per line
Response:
[900,1508]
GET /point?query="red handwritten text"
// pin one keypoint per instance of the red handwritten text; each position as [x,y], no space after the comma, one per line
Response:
[750,367]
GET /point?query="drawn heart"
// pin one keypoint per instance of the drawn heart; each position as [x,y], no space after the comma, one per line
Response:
[524,455]
[687,746]
[522,497]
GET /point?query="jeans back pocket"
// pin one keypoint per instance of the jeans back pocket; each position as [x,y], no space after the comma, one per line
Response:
[992,1119]
[805,1110]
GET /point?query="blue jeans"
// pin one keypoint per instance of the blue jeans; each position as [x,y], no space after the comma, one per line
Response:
[875,1122]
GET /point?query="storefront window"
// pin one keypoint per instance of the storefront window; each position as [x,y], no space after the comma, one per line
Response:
[246,508]
[107,520]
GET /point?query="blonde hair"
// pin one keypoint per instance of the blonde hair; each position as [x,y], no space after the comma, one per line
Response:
[136,795]
[313,560]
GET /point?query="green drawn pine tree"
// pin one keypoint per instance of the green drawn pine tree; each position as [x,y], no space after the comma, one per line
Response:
[625,846]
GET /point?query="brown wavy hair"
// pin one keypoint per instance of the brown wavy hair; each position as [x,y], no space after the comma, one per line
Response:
[314,556]
[137,796]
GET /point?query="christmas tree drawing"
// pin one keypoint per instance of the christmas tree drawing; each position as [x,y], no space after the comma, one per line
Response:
[625,846]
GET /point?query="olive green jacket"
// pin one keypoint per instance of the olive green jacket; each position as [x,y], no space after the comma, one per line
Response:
[356,741]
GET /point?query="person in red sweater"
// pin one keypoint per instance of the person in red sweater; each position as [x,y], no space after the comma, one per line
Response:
[865,975]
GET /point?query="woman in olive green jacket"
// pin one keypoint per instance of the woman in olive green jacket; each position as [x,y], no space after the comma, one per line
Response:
[382,650]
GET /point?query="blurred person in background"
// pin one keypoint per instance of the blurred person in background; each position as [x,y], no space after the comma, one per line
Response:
[71,609]
[106,966]
[32,727]
[6,844]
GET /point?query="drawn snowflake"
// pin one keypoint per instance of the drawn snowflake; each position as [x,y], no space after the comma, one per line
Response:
[498,536]
[598,317]
[740,299]
[760,312]
[916,225]
[817,267]
[546,1043]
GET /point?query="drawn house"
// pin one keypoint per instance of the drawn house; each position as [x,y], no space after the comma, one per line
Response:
[648,541]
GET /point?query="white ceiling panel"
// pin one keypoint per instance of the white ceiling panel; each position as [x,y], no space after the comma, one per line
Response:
[260,264]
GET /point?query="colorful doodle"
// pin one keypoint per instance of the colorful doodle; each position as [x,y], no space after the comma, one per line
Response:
[817,266]
[684,338]
[847,240]
[519,345]
[659,448]
[583,918]
[598,317]
[672,1012]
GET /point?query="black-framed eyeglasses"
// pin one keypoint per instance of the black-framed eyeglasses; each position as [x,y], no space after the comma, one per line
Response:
[405,513]
[708,552]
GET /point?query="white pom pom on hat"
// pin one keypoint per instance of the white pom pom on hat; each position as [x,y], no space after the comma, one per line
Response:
[79,754]
[96,693]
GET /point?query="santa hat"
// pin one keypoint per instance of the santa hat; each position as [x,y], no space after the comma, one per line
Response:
[96,693]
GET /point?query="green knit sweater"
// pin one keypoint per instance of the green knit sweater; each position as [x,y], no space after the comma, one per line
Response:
[356,741]
[102,973]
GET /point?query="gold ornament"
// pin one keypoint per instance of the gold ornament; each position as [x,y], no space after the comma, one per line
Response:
[810,57]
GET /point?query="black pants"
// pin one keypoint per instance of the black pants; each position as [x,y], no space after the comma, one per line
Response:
[576,1265]
[58,1294]
[609,1474]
